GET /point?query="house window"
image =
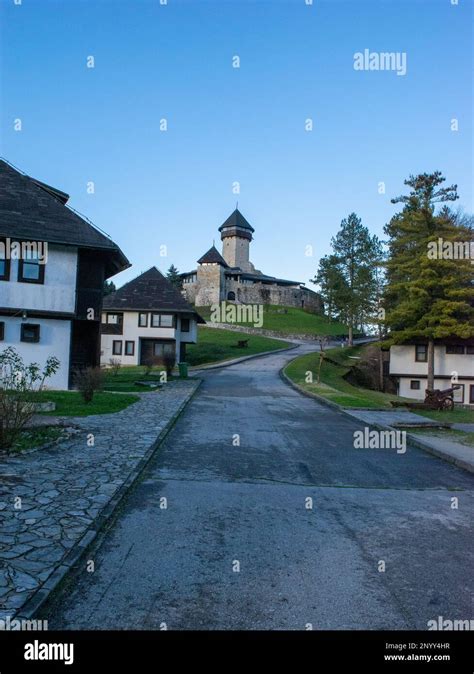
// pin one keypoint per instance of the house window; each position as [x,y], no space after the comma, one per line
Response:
[161,349]
[458,394]
[31,270]
[129,348]
[471,394]
[114,319]
[117,347]
[4,266]
[421,353]
[185,325]
[161,320]
[30,332]
[455,348]
[2,331]
[142,320]
[415,384]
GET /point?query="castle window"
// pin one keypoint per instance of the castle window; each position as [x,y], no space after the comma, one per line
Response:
[231,296]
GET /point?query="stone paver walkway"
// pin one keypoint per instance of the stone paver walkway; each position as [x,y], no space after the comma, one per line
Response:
[49,498]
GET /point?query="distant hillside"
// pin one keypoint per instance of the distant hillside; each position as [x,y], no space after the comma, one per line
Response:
[291,320]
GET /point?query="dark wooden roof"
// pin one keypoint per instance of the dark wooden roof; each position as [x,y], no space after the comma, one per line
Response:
[236,219]
[214,256]
[31,210]
[235,271]
[150,291]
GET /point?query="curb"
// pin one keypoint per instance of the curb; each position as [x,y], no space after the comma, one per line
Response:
[460,463]
[414,440]
[241,360]
[39,598]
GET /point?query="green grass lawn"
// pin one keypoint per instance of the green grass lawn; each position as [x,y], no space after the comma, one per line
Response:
[458,416]
[332,385]
[71,404]
[295,321]
[335,388]
[215,345]
[124,379]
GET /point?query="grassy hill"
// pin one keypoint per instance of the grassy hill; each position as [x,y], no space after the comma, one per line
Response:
[215,345]
[294,321]
[333,386]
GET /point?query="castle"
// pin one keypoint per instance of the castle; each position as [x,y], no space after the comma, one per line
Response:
[232,277]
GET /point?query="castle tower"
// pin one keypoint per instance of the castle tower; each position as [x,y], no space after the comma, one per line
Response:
[210,278]
[236,235]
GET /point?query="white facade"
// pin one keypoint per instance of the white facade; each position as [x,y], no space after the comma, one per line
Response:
[56,294]
[132,332]
[450,368]
[55,339]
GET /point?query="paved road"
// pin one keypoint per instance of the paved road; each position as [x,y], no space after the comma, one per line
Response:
[247,504]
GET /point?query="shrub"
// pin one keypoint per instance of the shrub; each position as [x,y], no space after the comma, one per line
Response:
[88,381]
[150,363]
[168,362]
[115,366]
[18,383]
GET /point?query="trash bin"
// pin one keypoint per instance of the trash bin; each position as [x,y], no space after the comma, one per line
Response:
[183,370]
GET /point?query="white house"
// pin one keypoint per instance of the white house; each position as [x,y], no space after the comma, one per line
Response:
[146,319]
[453,362]
[52,269]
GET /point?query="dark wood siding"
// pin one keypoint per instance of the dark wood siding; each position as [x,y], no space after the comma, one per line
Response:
[85,346]
[90,284]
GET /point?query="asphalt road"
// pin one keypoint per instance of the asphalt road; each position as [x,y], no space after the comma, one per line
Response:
[237,546]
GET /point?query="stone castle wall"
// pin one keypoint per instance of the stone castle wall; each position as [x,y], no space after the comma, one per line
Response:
[211,288]
[259,293]
[210,285]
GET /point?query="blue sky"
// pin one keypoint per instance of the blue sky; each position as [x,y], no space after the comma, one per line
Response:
[226,124]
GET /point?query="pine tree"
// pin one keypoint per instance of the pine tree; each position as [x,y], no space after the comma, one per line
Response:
[330,282]
[173,277]
[357,253]
[109,288]
[427,296]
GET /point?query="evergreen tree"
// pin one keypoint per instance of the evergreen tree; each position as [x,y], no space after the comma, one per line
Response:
[109,287]
[330,282]
[357,254]
[428,295]
[173,277]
